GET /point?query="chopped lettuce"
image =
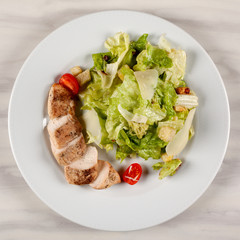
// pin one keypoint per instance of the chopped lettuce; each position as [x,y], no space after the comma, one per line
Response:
[126,94]
[176,72]
[149,146]
[134,49]
[138,129]
[188,101]
[167,168]
[118,45]
[131,99]
[130,116]
[169,99]
[152,111]
[152,57]
[101,60]
[140,44]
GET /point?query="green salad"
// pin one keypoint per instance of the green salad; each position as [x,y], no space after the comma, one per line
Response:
[138,101]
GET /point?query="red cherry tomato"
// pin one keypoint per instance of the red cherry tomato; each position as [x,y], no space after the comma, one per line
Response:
[132,174]
[68,81]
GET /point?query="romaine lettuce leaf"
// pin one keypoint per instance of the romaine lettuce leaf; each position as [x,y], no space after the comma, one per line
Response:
[118,45]
[152,57]
[140,44]
[187,100]
[174,74]
[149,146]
[95,96]
[158,57]
[123,151]
[167,168]
[134,49]
[129,58]
[152,111]
[177,71]
[169,99]
[100,60]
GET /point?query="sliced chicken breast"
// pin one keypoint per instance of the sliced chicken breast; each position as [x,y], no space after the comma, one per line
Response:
[85,169]
[107,176]
[60,101]
[71,152]
[113,177]
[63,130]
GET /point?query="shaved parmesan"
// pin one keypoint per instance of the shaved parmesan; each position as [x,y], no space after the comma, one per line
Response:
[181,138]
[93,127]
[147,81]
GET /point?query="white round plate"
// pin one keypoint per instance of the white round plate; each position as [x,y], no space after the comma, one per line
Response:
[121,207]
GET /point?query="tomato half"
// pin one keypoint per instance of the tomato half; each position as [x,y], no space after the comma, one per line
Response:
[132,174]
[68,81]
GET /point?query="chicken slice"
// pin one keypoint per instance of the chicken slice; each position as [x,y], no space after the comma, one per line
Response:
[63,130]
[85,169]
[70,153]
[60,101]
[107,176]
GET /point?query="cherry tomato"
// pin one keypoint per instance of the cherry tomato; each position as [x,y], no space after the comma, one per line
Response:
[132,174]
[68,81]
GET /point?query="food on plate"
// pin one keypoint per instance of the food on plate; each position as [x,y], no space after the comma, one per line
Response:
[85,169]
[83,78]
[69,82]
[67,141]
[107,176]
[60,101]
[168,168]
[71,152]
[63,130]
[138,100]
[76,70]
[132,174]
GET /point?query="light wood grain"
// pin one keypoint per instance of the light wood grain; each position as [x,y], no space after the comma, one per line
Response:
[215,24]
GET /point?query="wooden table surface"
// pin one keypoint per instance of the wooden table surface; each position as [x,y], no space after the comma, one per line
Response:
[214,24]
